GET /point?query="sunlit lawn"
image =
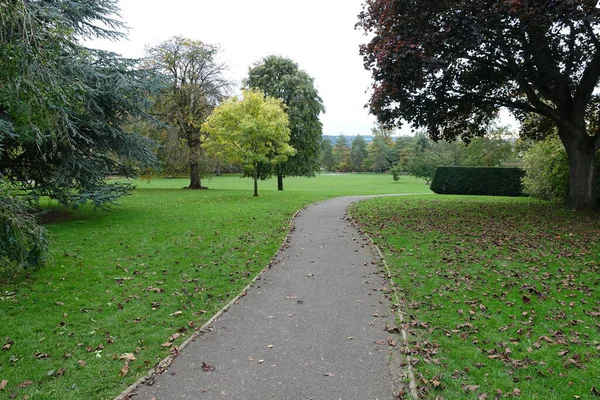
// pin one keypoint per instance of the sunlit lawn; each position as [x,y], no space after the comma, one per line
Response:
[139,279]
[501,295]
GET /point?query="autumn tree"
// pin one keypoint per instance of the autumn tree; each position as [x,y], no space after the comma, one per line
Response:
[450,66]
[196,86]
[281,78]
[250,130]
[63,112]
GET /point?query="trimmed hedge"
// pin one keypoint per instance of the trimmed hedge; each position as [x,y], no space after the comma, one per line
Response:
[478,181]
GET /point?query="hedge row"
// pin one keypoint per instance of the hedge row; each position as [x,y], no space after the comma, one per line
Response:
[478,181]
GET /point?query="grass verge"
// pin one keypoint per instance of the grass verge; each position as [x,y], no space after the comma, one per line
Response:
[501,294]
[126,287]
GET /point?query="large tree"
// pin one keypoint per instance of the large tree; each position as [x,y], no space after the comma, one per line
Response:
[449,66]
[251,130]
[196,86]
[63,107]
[282,79]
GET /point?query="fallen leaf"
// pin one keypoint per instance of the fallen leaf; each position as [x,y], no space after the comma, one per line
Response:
[3,384]
[81,363]
[60,372]
[206,367]
[167,344]
[261,361]
[125,370]
[471,388]
[127,357]
[391,341]
[563,352]
[176,313]
[175,336]
[24,384]
[328,374]
[60,303]
[526,299]
[595,391]
[291,296]
[516,392]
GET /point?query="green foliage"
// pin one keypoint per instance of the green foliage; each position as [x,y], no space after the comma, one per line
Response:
[425,164]
[23,243]
[492,286]
[358,154]
[327,158]
[396,172]
[547,170]
[281,78]
[341,154]
[195,87]
[251,130]
[478,181]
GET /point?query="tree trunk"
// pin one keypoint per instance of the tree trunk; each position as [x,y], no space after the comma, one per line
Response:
[194,161]
[279,181]
[255,177]
[583,170]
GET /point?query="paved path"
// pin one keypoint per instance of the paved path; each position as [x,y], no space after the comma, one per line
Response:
[308,329]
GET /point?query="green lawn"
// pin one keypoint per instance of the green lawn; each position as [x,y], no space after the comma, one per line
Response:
[130,280]
[501,295]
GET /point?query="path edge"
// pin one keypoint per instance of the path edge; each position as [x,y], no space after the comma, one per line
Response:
[167,361]
[412,385]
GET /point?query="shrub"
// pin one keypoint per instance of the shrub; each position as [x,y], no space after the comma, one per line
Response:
[547,170]
[23,242]
[478,181]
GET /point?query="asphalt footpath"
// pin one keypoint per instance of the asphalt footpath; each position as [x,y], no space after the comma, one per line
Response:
[310,328]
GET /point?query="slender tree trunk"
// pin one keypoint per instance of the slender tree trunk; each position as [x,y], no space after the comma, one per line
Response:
[583,169]
[279,181]
[255,176]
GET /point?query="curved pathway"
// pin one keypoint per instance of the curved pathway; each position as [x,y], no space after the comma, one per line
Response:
[311,327]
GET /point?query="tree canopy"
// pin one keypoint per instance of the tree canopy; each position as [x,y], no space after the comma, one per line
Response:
[63,108]
[196,86]
[450,66]
[250,130]
[282,79]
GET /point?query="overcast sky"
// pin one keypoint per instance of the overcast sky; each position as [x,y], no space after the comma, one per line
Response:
[318,34]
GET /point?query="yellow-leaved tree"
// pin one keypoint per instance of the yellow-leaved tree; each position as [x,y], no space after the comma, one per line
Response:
[250,130]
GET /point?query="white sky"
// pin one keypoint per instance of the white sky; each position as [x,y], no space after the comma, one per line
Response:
[318,34]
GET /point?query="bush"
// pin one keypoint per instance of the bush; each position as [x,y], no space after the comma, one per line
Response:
[547,170]
[478,181]
[423,165]
[23,242]
[396,171]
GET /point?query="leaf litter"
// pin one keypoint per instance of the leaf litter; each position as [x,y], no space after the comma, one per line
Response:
[505,287]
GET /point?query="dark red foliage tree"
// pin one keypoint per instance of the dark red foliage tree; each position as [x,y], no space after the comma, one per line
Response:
[449,66]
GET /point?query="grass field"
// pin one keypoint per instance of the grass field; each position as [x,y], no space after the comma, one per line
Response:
[501,296]
[126,287]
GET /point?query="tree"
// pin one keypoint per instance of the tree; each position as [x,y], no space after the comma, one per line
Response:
[196,87]
[327,158]
[379,153]
[341,153]
[63,107]
[358,153]
[251,130]
[450,66]
[282,79]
